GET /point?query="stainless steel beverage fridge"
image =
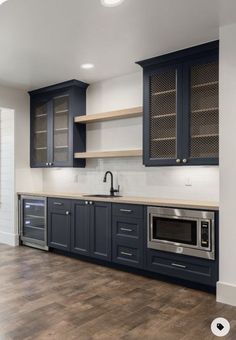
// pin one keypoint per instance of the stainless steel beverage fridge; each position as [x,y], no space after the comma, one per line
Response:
[33,221]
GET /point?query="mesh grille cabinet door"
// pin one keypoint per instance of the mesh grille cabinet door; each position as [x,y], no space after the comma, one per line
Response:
[60,130]
[39,135]
[203,113]
[163,121]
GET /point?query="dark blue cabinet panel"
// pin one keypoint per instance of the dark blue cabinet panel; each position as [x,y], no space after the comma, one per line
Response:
[54,136]
[100,230]
[59,222]
[163,115]
[80,228]
[201,111]
[181,110]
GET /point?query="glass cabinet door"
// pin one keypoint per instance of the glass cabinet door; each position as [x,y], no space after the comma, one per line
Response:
[33,219]
[60,130]
[163,117]
[39,135]
[204,112]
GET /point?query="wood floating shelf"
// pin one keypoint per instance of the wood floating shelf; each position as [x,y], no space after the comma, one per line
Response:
[108,154]
[101,117]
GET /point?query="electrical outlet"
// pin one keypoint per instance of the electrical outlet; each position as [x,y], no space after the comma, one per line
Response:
[188,182]
[76,178]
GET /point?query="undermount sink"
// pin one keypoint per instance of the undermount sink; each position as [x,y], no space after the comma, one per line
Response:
[102,196]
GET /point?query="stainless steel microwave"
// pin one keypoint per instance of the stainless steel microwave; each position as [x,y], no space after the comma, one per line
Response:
[182,231]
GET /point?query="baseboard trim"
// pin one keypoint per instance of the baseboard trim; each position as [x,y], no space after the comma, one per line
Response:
[10,239]
[226,293]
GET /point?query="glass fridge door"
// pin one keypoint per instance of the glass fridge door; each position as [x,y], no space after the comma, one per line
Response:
[33,219]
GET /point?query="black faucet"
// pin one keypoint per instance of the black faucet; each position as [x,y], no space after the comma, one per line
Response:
[112,190]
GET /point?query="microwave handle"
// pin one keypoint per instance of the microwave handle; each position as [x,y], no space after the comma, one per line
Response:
[150,228]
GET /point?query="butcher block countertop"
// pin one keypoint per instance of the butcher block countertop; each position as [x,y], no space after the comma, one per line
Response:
[178,203]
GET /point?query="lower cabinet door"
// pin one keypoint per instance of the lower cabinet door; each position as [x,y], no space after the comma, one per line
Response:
[100,230]
[59,229]
[80,228]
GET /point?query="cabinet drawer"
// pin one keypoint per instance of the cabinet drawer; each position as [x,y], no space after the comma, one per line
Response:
[127,255]
[57,204]
[127,252]
[187,268]
[130,210]
[125,227]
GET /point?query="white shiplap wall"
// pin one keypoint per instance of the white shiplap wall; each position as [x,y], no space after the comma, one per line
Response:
[7,176]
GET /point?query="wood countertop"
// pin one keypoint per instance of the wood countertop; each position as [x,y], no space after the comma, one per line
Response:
[178,203]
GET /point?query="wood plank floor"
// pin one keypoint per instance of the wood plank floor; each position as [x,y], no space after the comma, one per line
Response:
[48,296]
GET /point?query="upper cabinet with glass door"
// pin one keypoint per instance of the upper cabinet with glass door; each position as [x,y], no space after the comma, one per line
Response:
[181,109]
[54,137]
[39,133]
[61,143]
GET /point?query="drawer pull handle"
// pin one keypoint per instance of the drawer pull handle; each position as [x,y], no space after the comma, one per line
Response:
[126,210]
[126,229]
[67,213]
[127,254]
[57,203]
[178,265]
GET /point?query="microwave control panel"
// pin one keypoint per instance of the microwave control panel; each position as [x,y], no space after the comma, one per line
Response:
[205,233]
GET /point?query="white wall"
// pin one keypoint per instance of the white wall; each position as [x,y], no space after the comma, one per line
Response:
[26,179]
[7,175]
[226,289]
[171,182]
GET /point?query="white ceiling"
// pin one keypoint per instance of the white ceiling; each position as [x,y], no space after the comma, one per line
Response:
[45,41]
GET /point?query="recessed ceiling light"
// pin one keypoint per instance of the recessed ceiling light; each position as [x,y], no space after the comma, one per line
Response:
[87,66]
[2,1]
[111,3]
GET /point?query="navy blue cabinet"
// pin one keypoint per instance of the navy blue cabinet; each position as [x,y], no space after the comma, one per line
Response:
[80,228]
[117,233]
[54,136]
[100,230]
[181,107]
[91,229]
[59,223]
[127,235]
